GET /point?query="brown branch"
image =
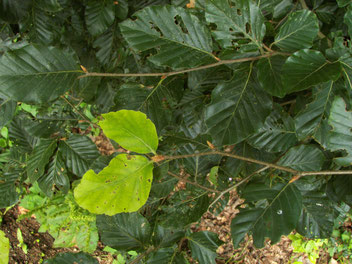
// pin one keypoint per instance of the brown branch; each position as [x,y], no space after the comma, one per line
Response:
[193,183]
[267,164]
[166,74]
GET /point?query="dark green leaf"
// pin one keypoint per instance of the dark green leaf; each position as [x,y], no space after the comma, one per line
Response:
[277,217]
[70,258]
[237,110]
[22,139]
[269,75]
[7,111]
[39,158]
[317,218]
[303,158]
[348,20]
[341,135]
[155,27]
[277,134]
[41,28]
[78,151]
[298,32]
[306,68]
[13,10]
[105,44]
[241,21]
[36,74]
[8,193]
[49,5]
[125,231]
[99,16]
[309,120]
[55,175]
[203,246]
[164,237]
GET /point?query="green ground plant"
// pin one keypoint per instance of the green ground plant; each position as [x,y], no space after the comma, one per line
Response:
[219,94]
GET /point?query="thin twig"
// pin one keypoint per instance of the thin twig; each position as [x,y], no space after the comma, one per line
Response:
[270,165]
[166,74]
[141,256]
[193,183]
[236,185]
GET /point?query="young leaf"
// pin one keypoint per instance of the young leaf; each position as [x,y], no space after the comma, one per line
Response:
[277,217]
[298,32]
[123,186]
[36,74]
[40,158]
[203,246]
[341,136]
[303,158]
[99,16]
[305,68]
[243,21]
[237,110]
[126,231]
[182,40]
[4,248]
[131,129]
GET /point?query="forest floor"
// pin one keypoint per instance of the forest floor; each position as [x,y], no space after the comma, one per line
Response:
[36,246]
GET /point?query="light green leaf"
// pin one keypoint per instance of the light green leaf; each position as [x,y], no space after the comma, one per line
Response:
[185,43]
[305,68]
[36,74]
[213,175]
[131,129]
[276,217]
[303,158]
[4,248]
[277,134]
[203,246]
[237,110]
[239,22]
[340,137]
[269,75]
[126,231]
[40,158]
[298,32]
[79,152]
[309,120]
[99,16]
[123,186]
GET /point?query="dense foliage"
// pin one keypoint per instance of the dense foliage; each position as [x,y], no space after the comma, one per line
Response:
[250,95]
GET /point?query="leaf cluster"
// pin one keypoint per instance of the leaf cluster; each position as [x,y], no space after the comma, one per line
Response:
[237,94]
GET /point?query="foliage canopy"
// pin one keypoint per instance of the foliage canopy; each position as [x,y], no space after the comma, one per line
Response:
[227,94]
